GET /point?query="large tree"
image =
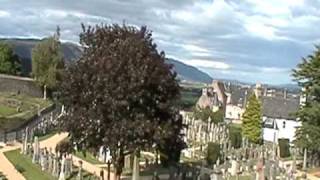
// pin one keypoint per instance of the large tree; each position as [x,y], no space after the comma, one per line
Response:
[252,121]
[9,62]
[307,74]
[47,62]
[120,93]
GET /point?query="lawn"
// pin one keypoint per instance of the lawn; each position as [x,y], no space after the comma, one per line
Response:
[25,166]
[32,171]
[28,106]
[6,111]
[46,136]
[89,157]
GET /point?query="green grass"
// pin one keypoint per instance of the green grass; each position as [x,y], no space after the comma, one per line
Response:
[6,111]
[47,136]
[24,163]
[29,106]
[89,157]
[32,171]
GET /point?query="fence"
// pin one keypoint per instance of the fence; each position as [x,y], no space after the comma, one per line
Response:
[44,119]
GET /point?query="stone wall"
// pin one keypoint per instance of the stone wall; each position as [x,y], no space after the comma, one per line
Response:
[16,84]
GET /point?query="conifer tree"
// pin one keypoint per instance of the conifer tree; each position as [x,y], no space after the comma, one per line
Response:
[307,74]
[251,122]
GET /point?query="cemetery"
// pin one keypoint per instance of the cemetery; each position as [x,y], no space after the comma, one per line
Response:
[16,109]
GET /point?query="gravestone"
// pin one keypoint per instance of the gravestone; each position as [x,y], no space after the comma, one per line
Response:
[36,150]
[62,175]
[79,176]
[136,169]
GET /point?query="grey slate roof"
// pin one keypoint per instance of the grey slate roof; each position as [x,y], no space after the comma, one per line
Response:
[238,94]
[276,107]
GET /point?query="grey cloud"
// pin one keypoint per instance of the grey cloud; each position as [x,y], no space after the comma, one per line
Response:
[223,34]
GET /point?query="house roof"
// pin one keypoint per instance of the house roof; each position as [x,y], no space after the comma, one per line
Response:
[282,108]
[238,94]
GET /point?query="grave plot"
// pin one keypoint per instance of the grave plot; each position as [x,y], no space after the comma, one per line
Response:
[15,109]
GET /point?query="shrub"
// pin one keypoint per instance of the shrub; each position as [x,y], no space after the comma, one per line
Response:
[284,148]
[213,153]
[64,146]
[235,136]
[19,168]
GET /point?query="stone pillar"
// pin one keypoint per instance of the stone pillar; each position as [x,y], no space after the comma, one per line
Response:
[304,167]
[136,169]
[62,175]
[36,150]
[79,176]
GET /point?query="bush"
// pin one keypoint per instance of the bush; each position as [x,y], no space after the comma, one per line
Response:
[19,168]
[235,136]
[64,146]
[284,148]
[213,153]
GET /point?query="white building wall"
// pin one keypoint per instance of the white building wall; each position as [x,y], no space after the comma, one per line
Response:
[288,131]
[233,112]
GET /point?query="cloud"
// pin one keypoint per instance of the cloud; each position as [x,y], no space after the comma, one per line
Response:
[245,40]
[4,14]
[207,64]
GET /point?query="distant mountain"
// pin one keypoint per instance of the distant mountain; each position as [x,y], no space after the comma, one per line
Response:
[23,48]
[189,73]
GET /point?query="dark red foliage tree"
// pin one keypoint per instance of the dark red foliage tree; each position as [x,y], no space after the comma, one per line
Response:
[120,93]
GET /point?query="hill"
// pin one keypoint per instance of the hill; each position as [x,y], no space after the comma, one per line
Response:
[23,48]
[189,73]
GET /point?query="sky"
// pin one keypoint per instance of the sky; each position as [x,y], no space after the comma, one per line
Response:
[246,40]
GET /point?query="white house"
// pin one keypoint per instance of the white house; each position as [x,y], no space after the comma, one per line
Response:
[279,120]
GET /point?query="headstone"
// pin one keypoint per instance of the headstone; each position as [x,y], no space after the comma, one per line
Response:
[42,160]
[55,171]
[304,167]
[260,170]
[273,173]
[136,169]
[127,162]
[50,161]
[36,150]
[25,143]
[216,175]
[79,176]
[62,175]
[234,168]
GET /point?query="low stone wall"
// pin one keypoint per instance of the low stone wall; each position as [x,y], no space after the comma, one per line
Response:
[22,85]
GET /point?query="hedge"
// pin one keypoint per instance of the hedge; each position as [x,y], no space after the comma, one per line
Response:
[284,148]
[213,153]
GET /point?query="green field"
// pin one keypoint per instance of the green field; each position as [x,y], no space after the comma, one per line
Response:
[16,109]
[32,171]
